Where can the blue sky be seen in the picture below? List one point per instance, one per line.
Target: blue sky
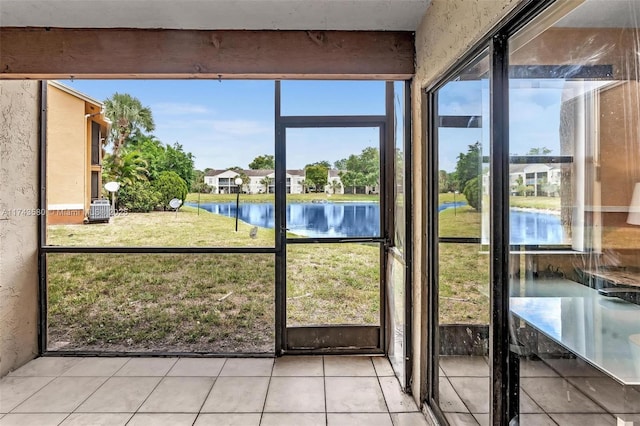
(228, 123)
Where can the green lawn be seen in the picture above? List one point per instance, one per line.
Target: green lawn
(172, 301)
(176, 302)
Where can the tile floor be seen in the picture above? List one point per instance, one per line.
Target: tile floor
(296, 391)
(564, 392)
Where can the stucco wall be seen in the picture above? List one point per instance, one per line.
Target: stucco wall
(448, 29)
(67, 168)
(18, 231)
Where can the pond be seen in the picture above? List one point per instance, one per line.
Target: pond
(363, 220)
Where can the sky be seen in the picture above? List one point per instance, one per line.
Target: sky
(228, 123)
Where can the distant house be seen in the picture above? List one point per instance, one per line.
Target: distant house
(76, 126)
(263, 181)
(543, 178)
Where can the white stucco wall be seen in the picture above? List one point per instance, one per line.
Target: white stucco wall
(447, 30)
(18, 232)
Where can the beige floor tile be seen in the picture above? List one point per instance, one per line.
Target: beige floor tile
(298, 366)
(293, 419)
(464, 366)
(14, 390)
(295, 395)
(248, 367)
(120, 395)
(162, 419)
(555, 395)
(354, 395)
(46, 366)
(237, 395)
(97, 419)
(528, 405)
(583, 419)
(178, 395)
(573, 368)
(408, 419)
(96, 367)
(535, 368)
(474, 392)
(483, 420)
(382, 366)
(348, 366)
(197, 367)
(461, 419)
(61, 395)
(228, 419)
(48, 419)
(397, 401)
(359, 419)
(141, 367)
(538, 420)
(614, 397)
(450, 402)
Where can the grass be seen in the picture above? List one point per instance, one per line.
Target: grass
(186, 228)
(177, 302)
(172, 302)
(538, 203)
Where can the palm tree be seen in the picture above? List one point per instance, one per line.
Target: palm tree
(266, 181)
(130, 167)
(335, 185)
(128, 116)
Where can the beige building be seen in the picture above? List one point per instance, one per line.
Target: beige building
(76, 125)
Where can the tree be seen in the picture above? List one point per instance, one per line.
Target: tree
(445, 181)
(361, 170)
(468, 166)
(340, 164)
(129, 169)
(334, 185)
(317, 174)
(473, 194)
(266, 182)
(179, 161)
(139, 197)
(128, 117)
(169, 185)
(263, 162)
(539, 151)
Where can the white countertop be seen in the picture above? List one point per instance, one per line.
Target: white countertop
(604, 331)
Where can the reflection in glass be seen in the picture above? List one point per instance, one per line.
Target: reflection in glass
(573, 120)
(463, 265)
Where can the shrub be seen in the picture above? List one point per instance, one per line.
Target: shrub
(472, 192)
(139, 196)
(169, 185)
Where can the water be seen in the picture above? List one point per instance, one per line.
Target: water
(363, 220)
(535, 228)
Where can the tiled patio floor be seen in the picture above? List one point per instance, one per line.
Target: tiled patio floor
(565, 392)
(296, 391)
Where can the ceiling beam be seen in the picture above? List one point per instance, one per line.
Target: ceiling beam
(42, 53)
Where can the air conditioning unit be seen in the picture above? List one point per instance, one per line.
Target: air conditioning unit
(100, 211)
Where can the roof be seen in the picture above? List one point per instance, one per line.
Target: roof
(75, 93)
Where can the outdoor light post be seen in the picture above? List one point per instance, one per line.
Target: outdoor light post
(455, 205)
(238, 182)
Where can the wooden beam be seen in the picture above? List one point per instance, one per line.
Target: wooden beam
(42, 53)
